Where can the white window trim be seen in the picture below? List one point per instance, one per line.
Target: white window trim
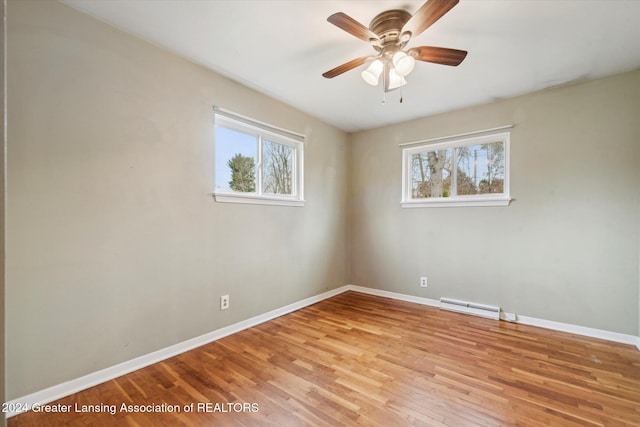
(253, 199)
(455, 201)
(281, 136)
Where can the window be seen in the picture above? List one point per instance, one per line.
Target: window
(462, 172)
(256, 163)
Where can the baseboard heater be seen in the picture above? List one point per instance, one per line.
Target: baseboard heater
(473, 308)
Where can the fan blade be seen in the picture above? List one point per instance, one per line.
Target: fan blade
(345, 67)
(438, 55)
(427, 15)
(352, 26)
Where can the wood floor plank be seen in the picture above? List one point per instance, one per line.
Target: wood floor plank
(362, 360)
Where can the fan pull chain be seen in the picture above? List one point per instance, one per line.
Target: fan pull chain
(384, 82)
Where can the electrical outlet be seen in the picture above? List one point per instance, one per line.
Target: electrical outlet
(423, 282)
(224, 302)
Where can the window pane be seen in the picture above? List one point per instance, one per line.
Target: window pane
(480, 169)
(236, 154)
(277, 172)
(430, 174)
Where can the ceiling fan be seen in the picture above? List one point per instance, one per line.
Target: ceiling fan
(388, 33)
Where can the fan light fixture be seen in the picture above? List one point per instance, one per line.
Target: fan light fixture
(397, 67)
(395, 80)
(372, 74)
(403, 63)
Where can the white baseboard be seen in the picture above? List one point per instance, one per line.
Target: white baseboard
(580, 330)
(65, 389)
(393, 295)
(525, 320)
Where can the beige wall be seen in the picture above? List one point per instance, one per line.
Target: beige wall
(115, 245)
(565, 250)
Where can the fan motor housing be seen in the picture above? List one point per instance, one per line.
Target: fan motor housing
(388, 25)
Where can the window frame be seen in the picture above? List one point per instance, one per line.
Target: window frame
(502, 199)
(262, 131)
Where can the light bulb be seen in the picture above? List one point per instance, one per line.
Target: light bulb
(403, 63)
(372, 74)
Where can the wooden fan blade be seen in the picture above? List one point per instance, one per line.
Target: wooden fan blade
(427, 15)
(345, 67)
(438, 55)
(352, 26)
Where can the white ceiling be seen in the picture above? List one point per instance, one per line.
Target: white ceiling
(281, 48)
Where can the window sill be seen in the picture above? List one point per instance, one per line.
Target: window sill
(253, 199)
(457, 202)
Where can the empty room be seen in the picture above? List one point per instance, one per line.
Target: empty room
(321, 213)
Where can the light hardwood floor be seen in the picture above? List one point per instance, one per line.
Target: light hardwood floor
(357, 359)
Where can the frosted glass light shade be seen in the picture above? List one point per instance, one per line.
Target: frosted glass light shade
(395, 81)
(372, 73)
(403, 63)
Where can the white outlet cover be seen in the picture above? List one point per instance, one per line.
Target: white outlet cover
(224, 302)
